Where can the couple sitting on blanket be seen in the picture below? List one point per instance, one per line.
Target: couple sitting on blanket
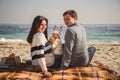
(49, 53)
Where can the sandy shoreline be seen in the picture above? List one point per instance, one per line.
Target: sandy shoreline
(107, 53)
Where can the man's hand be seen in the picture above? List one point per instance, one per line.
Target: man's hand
(63, 68)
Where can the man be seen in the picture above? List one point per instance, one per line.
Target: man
(75, 52)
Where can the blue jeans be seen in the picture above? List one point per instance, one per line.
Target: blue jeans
(91, 51)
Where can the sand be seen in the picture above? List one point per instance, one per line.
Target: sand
(107, 53)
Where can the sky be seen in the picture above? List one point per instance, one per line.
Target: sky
(89, 11)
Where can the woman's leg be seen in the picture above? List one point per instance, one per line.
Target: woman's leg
(91, 51)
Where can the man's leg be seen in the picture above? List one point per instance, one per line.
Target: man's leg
(91, 51)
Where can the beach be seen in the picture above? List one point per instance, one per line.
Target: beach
(106, 53)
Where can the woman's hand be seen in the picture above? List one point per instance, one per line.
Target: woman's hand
(52, 39)
(47, 74)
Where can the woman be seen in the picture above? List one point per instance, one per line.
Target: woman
(37, 38)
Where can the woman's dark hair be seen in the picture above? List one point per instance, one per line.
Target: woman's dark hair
(72, 13)
(35, 25)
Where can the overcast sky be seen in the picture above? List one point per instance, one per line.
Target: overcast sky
(89, 11)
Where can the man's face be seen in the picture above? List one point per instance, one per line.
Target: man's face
(68, 20)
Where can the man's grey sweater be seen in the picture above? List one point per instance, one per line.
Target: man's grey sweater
(75, 51)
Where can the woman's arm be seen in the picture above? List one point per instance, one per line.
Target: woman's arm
(39, 51)
(49, 45)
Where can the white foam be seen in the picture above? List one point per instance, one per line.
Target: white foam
(11, 40)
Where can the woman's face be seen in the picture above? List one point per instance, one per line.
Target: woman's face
(68, 20)
(42, 27)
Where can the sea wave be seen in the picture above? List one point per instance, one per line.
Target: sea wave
(103, 42)
(100, 33)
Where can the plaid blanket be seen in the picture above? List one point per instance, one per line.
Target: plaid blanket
(96, 71)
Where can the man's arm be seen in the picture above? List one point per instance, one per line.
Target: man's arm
(68, 47)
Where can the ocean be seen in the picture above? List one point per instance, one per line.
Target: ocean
(100, 33)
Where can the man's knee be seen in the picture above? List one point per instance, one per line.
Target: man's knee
(91, 49)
